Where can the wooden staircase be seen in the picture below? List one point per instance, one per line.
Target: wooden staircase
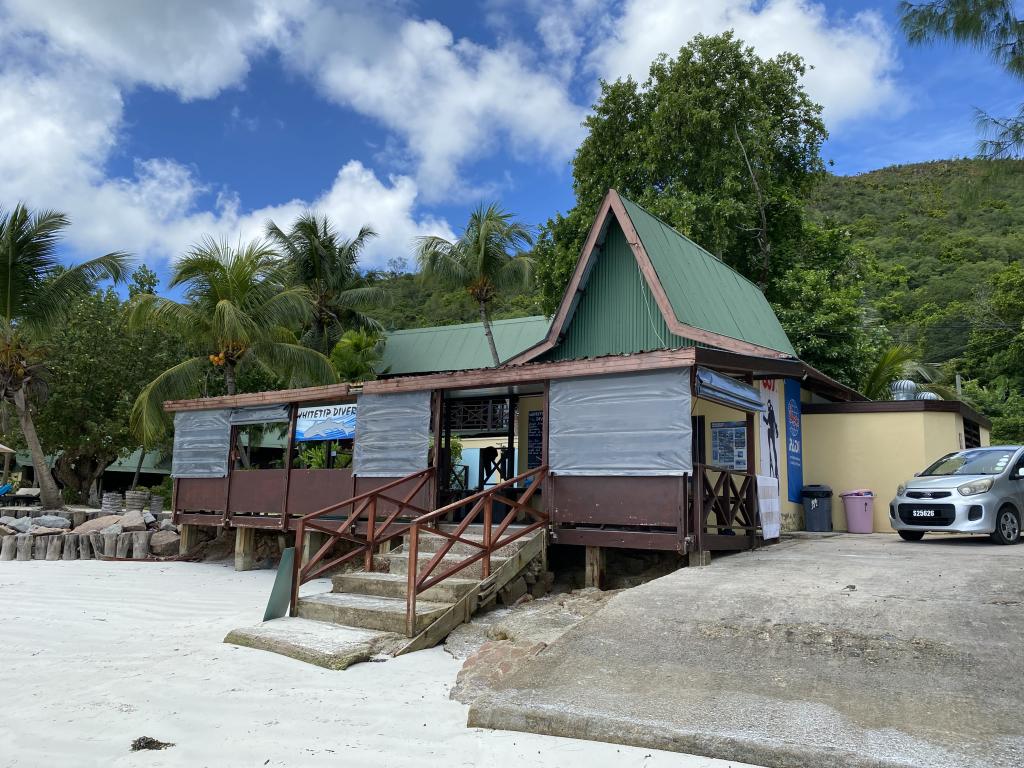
(388, 607)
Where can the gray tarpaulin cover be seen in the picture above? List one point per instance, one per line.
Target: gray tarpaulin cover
(201, 443)
(260, 414)
(392, 434)
(636, 424)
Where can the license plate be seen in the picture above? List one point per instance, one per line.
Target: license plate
(923, 513)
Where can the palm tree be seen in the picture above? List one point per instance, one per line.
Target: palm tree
(239, 310)
(357, 355)
(487, 258)
(35, 289)
(327, 265)
(900, 362)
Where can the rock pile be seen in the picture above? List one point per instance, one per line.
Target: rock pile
(53, 536)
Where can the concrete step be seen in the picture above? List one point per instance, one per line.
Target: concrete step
(317, 642)
(396, 584)
(433, 543)
(386, 614)
(398, 562)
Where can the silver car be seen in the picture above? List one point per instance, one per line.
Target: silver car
(980, 490)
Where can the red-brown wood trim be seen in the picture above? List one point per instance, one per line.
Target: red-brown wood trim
(612, 205)
(562, 315)
(899, 406)
(276, 397)
(536, 372)
(650, 274)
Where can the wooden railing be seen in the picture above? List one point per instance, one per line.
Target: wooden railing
(377, 528)
(481, 508)
(725, 502)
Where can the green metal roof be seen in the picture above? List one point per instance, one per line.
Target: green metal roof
(458, 347)
(705, 292)
(617, 313)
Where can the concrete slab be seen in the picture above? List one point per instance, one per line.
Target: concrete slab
(315, 642)
(838, 652)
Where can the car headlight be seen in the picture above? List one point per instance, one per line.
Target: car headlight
(901, 489)
(978, 486)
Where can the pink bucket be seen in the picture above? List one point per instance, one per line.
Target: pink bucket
(860, 510)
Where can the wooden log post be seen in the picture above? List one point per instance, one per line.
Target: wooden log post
(54, 547)
(189, 538)
(39, 546)
(70, 546)
(78, 517)
(109, 544)
(124, 545)
(96, 544)
(9, 547)
(245, 548)
(24, 546)
(140, 544)
(84, 547)
(595, 562)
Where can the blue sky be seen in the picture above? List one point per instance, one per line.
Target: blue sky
(154, 123)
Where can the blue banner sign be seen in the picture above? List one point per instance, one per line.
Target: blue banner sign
(794, 442)
(326, 422)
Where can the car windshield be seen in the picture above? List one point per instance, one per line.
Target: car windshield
(985, 461)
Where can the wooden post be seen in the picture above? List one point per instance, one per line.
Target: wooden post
(245, 548)
(595, 567)
(289, 450)
(189, 538)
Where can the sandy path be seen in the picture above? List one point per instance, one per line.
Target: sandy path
(96, 654)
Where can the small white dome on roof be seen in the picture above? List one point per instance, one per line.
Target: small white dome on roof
(927, 396)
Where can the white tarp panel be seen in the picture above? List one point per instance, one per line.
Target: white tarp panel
(769, 506)
(392, 434)
(634, 424)
(201, 443)
(260, 414)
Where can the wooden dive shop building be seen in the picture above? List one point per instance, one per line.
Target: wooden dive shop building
(659, 409)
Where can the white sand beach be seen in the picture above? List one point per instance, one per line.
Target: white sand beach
(97, 654)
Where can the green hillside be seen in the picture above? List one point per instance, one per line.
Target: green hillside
(935, 234)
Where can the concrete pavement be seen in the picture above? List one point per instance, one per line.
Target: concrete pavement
(839, 651)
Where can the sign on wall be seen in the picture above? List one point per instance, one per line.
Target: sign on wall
(770, 433)
(326, 422)
(534, 439)
(794, 441)
(729, 444)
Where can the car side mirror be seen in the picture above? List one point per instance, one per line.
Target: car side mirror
(1019, 474)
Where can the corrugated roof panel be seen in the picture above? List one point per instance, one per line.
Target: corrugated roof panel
(458, 347)
(705, 292)
(616, 313)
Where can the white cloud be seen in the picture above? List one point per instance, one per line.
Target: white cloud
(853, 57)
(195, 48)
(450, 100)
(61, 118)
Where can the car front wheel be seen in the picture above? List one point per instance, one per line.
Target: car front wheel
(911, 535)
(1007, 526)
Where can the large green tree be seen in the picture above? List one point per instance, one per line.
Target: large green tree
(35, 293)
(240, 312)
(719, 142)
(327, 265)
(97, 366)
(994, 26)
(485, 261)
